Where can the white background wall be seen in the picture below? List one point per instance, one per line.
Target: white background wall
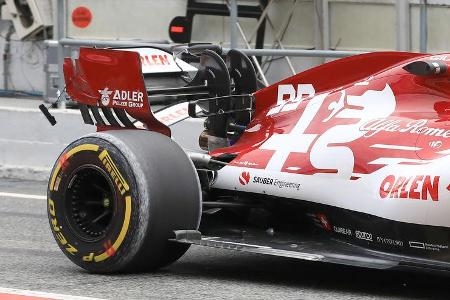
(368, 25)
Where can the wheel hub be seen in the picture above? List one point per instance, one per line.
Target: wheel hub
(90, 203)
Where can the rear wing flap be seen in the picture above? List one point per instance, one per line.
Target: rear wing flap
(110, 83)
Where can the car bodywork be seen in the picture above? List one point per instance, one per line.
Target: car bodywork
(343, 163)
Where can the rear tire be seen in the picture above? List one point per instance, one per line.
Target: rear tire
(115, 198)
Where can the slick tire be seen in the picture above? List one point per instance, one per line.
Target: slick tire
(115, 198)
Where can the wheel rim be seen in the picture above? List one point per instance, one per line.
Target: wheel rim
(90, 203)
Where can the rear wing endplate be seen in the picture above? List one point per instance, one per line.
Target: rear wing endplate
(110, 81)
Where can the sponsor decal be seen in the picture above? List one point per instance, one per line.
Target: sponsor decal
(289, 97)
(324, 223)
(105, 96)
(245, 163)
(276, 182)
(435, 144)
(244, 178)
(362, 235)
(56, 228)
(342, 230)
(116, 176)
(132, 99)
(427, 246)
(326, 149)
(155, 60)
(174, 116)
(410, 187)
(376, 126)
(263, 180)
(388, 241)
(158, 61)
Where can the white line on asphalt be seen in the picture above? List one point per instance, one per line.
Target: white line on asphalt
(26, 142)
(25, 109)
(24, 196)
(42, 294)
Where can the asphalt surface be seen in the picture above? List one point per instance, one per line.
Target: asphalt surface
(31, 260)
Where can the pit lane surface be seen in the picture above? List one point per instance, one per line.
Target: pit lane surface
(31, 260)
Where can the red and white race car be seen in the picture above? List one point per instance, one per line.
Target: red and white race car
(343, 163)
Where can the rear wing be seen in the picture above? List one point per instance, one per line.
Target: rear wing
(110, 81)
(113, 88)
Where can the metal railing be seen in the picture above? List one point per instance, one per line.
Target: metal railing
(62, 40)
(255, 52)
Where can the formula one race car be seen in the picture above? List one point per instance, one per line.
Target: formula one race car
(343, 163)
